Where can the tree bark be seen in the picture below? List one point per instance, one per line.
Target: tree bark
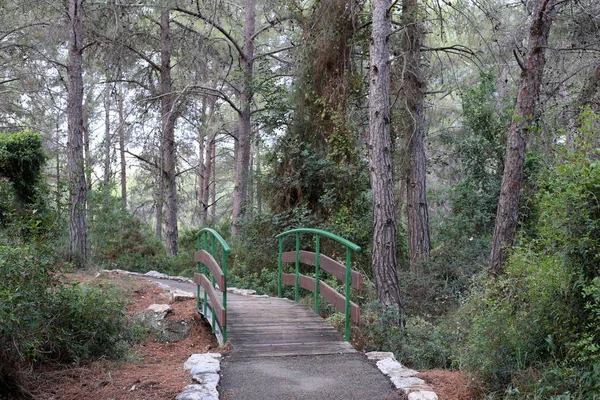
(384, 204)
(168, 136)
(522, 125)
(121, 132)
(75, 160)
(258, 181)
(107, 141)
(201, 164)
(89, 163)
(242, 161)
(413, 126)
(213, 179)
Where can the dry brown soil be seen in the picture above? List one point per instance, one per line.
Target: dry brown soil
(154, 371)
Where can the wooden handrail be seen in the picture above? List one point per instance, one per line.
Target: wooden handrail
(335, 268)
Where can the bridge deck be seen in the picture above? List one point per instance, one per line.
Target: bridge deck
(272, 327)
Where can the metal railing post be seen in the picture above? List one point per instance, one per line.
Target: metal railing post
(224, 289)
(296, 286)
(317, 265)
(280, 267)
(347, 293)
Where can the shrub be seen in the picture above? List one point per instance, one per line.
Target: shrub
(536, 329)
(419, 344)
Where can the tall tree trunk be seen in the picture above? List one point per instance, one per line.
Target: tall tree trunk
(107, 141)
(213, 178)
(202, 145)
(159, 200)
(258, 181)
(413, 125)
(168, 136)
(250, 201)
(75, 161)
(522, 125)
(204, 158)
(89, 163)
(242, 161)
(380, 146)
(208, 172)
(121, 132)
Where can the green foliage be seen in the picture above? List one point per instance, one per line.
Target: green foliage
(543, 314)
(21, 162)
(419, 344)
(90, 323)
(45, 320)
(119, 239)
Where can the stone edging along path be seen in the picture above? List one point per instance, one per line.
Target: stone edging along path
(204, 368)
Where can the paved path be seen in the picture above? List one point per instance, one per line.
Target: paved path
(323, 377)
(283, 350)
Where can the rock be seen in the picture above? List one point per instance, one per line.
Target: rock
(241, 292)
(407, 383)
(160, 309)
(180, 295)
(196, 359)
(389, 365)
(403, 378)
(164, 330)
(199, 364)
(156, 274)
(206, 383)
(380, 355)
(422, 395)
(197, 392)
(207, 379)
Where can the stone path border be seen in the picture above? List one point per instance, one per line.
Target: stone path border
(403, 378)
(204, 369)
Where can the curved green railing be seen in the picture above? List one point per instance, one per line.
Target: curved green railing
(208, 266)
(318, 233)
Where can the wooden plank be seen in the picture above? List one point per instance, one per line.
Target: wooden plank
(335, 268)
(207, 259)
(329, 293)
(293, 349)
(215, 302)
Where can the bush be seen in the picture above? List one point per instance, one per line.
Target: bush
(419, 344)
(117, 238)
(536, 329)
(44, 319)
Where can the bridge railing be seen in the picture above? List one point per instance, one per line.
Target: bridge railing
(343, 272)
(212, 278)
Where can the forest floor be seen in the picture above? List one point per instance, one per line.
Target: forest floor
(153, 370)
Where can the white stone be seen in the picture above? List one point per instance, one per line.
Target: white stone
(379, 355)
(160, 308)
(406, 383)
(422, 395)
(389, 365)
(242, 292)
(180, 295)
(206, 368)
(207, 379)
(201, 390)
(195, 359)
(156, 274)
(197, 392)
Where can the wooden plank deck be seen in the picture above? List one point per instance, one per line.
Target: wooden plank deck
(274, 327)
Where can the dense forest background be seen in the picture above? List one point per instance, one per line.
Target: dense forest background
(469, 176)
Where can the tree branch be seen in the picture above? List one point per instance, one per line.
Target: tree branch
(215, 25)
